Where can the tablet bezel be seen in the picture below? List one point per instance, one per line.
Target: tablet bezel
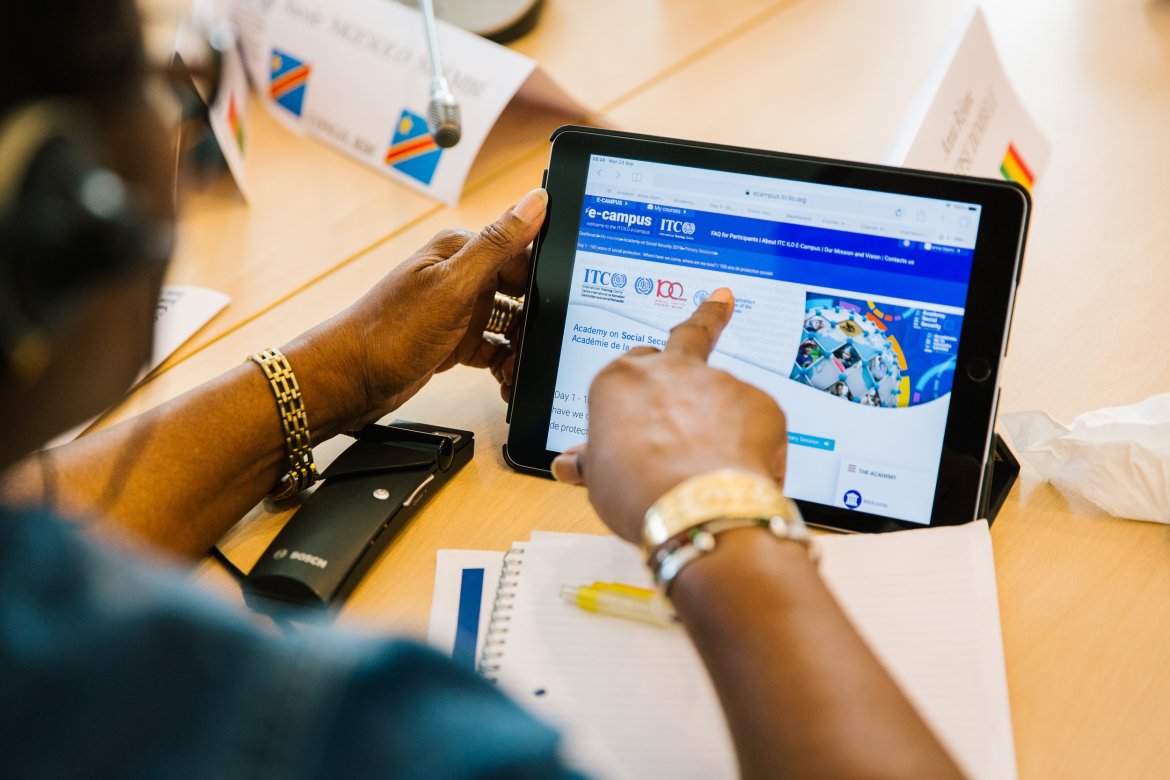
(960, 492)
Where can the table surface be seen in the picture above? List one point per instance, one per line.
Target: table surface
(1083, 596)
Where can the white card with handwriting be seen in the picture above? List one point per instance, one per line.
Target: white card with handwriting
(968, 119)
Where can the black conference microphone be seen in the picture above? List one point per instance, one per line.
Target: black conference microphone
(443, 110)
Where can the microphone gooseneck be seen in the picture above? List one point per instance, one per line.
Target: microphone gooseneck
(443, 117)
(443, 110)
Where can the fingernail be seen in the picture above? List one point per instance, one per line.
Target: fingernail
(722, 295)
(564, 468)
(532, 206)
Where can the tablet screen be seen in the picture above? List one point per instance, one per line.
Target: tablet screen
(849, 309)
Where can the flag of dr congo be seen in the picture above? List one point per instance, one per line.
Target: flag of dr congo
(412, 149)
(287, 80)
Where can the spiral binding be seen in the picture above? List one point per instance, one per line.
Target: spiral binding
(495, 637)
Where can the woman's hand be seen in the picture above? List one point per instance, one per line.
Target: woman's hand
(426, 315)
(657, 418)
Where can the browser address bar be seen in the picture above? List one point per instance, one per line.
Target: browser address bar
(772, 196)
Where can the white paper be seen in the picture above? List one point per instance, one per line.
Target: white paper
(356, 75)
(968, 120)
(182, 310)
(1118, 458)
(632, 700)
(924, 600)
(449, 567)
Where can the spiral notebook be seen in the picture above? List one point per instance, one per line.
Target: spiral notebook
(634, 701)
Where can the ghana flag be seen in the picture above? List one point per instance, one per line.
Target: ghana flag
(412, 149)
(288, 78)
(1015, 169)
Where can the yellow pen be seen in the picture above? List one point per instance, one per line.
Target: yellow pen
(624, 601)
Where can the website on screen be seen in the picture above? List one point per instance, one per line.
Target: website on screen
(849, 306)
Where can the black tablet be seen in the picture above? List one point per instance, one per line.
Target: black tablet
(872, 303)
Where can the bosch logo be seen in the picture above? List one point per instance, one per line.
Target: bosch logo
(620, 217)
(700, 296)
(312, 560)
(676, 226)
(643, 285)
(671, 290)
(280, 554)
(605, 278)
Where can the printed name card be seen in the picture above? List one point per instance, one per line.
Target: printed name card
(356, 75)
(968, 119)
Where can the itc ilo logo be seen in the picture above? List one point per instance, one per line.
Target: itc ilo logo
(605, 278)
(659, 288)
(676, 226)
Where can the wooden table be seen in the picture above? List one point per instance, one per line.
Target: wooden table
(1085, 598)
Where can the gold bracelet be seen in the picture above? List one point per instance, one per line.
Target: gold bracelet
(682, 524)
(302, 471)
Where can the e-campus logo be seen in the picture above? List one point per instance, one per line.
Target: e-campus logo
(620, 217)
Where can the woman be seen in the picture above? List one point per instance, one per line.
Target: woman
(112, 667)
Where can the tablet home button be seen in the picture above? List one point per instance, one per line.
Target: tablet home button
(979, 370)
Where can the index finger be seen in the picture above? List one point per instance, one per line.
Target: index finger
(696, 336)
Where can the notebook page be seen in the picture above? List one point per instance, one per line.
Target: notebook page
(925, 601)
(632, 700)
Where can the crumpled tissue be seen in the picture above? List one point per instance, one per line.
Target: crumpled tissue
(1117, 458)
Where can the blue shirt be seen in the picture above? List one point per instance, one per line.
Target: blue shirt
(112, 668)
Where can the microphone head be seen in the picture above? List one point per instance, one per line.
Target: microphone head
(443, 122)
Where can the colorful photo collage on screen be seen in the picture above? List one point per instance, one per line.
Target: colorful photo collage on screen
(875, 354)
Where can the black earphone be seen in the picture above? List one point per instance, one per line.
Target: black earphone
(66, 221)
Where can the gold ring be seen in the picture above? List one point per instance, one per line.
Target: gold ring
(505, 315)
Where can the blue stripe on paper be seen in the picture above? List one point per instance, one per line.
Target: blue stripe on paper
(467, 621)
